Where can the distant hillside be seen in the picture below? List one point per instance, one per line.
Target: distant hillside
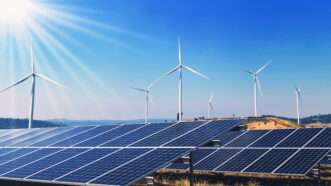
(323, 118)
(103, 122)
(9, 123)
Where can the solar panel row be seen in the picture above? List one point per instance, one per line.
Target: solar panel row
(118, 154)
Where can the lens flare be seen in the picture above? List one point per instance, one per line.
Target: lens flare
(15, 11)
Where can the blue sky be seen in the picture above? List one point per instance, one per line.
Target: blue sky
(102, 48)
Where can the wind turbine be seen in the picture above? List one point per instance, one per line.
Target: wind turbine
(298, 102)
(147, 97)
(210, 104)
(257, 84)
(33, 76)
(180, 67)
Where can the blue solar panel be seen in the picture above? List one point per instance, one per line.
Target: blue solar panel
(13, 134)
(241, 160)
(226, 137)
(168, 134)
(83, 136)
(15, 154)
(133, 171)
(197, 155)
(53, 139)
(100, 167)
(303, 161)
(39, 137)
(270, 161)
(110, 135)
(322, 140)
(215, 159)
(44, 163)
(205, 133)
(246, 139)
(138, 134)
(4, 151)
(299, 137)
(73, 164)
(22, 137)
(272, 138)
(24, 160)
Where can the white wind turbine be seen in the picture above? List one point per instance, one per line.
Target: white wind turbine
(147, 92)
(180, 67)
(210, 104)
(33, 76)
(298, 102)
(257, 84)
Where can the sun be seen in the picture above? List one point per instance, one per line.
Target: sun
(15, 11)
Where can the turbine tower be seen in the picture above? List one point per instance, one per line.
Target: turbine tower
(210, 104)
(257, 85)
(180, 67)
(33, 76)
(298, 102)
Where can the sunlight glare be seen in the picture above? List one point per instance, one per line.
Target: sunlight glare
(14, 11)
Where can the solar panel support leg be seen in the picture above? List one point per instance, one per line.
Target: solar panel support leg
(191, 169)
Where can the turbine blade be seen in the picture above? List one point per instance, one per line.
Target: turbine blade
(32, 59)
(179, 52)
(195, 72)
(211, 106)
(211, 97)
(16, 83)
(49, 80)
(259, 85)
(249, 72)
(263, 67)
(139, 89)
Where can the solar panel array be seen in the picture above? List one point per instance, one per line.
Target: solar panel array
(281, 152)
(111, 155)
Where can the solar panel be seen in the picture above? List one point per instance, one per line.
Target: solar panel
(197, 155)
(110, 135)
(44, 163)
(138, 134)
(83, 136)
(272, 138)
(24, 160)
(215, 159)
(205, 133)
(299, 137)
(54, 139)
(135, 170)
(25, 137)
(241, 160)
(226, 137)
(15, 154)
(73, 163)
(247, 138)
(322, 140)
(38, 138)
(302, 162)
(270, 161)
(168, 134)
(101, 166)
